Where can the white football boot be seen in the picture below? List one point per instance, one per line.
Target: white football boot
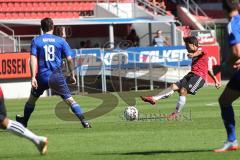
(42, 145)
(228, 146)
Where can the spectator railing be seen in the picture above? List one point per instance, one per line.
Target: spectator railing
(194, 8)
(7, 42)
(151, 6)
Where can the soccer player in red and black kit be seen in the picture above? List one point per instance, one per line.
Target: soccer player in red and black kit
(18, 129)
(191, 82)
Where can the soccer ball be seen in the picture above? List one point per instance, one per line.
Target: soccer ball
(131, 113)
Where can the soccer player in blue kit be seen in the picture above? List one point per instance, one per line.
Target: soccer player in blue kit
(232, 90)
(46, 52)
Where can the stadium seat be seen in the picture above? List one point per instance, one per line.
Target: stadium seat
(4, 7)
(11, 6)
(2, 15)
(21, 15)
(33, 14)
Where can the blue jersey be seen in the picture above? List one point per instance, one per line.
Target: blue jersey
(234, 38)
(49, 50)
(234, 30)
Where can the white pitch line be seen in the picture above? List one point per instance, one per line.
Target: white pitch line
(216, 104)
(212, 104)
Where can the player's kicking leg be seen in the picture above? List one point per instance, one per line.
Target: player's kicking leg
(225, 101)
(18, 129)
(76, 109)
(162, 95)
(167, 93)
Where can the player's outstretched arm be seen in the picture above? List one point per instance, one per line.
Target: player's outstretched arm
(195, 54)
(217, 83)
(71, 68)
(33, 68)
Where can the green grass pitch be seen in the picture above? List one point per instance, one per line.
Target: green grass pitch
(114, 138)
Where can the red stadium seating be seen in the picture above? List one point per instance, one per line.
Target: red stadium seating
(30, 9)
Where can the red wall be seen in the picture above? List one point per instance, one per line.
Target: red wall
(213, 60)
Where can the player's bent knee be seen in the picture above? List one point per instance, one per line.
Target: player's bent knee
(183, 92)
(70, 100)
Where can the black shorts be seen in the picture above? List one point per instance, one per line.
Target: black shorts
(3, 112)
(234, 82)
(191, 82)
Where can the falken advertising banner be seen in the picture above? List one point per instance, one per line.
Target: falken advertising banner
(169, 56)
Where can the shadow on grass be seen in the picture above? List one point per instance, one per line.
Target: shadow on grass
(158, 152)
(164, 152)
(20, 156)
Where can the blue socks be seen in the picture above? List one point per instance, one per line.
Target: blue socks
(28, 109)
(76, 109)
(229, 122)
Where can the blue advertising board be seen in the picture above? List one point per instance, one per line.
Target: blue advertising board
(167, 56)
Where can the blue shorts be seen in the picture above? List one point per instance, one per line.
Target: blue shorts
(234, 82)
(54, 80)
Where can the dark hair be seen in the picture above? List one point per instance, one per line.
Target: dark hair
(230, 5)
(133, 31)
(47, 24)
(191, 40)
